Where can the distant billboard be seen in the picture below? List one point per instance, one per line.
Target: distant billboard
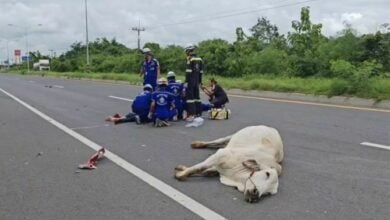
(18, 53)
(25, 58)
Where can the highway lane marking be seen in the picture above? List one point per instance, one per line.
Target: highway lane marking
(375, 145)
(88, 127)
(57, 86)
(312, 103)
(120, 98)
(164, 188)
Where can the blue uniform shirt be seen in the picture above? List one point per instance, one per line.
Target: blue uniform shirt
(177, 90)
(141, 104)
(150, 72)
(163, 102)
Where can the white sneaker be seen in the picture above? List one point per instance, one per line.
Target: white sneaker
(137, 120)
(164, 124)
(157, 123)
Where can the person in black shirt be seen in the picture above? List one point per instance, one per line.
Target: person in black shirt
(193, 80)
(218, 96)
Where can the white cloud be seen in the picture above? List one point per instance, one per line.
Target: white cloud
(351, 17)
(63, 21)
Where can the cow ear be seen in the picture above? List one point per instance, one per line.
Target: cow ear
(251, 165)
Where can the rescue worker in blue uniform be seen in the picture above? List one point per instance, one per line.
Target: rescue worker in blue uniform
(193, 81)
(163, 105)
(140, 109)
(150, 69)
(177, 89)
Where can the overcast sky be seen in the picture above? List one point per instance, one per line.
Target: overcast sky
(63, 21)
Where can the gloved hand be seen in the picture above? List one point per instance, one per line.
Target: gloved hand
(150, 115)
(185, 85)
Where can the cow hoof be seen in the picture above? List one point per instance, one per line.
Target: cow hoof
(180, 167)
(180, 175)
(198, 144)
(180, 172)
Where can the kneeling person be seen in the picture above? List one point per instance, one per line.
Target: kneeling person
(163, 105)
(218, 96)
(140, 108)
(177, 90)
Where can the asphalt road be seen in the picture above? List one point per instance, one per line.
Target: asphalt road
(327, 173)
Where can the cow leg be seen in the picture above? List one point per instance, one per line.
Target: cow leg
(182, 172)
(210, 172)
(217, 143)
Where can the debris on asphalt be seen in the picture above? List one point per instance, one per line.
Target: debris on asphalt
(143, 145)
(93, 160)
(39, 154)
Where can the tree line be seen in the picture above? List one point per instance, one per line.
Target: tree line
(302, 52)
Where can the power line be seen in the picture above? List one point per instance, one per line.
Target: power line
(221, 13)
(232, 14)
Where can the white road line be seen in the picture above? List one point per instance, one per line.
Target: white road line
(88, 127)
(57, 86)
(311, 103)
(120, 98)
(164, 188)
(375, 145)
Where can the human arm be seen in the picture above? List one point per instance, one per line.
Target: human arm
(142, 70)
(158, 70)
(151, 110)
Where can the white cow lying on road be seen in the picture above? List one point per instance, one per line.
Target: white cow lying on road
(251, 161)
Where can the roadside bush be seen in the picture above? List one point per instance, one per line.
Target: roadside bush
(268, 61)
(342, 68)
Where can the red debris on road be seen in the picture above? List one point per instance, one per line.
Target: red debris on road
(92, 162)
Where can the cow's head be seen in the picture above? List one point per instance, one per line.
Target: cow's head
(259, 181)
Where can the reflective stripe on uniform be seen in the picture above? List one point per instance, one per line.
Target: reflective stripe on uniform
(189, 70)
(190, 101)
(196, 59)
(197, 100)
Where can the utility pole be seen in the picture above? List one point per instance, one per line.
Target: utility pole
(138, 29)
(51, 58)
(86, 32)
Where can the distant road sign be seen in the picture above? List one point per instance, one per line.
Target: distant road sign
(17, 53)
(24, 58)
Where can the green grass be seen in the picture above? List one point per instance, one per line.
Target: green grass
(377, 88)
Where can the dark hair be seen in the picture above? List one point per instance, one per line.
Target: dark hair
(213, 81)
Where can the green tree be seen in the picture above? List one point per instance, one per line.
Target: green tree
(264, 31)
(214, 53)
(305, 41)
(377, 48)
